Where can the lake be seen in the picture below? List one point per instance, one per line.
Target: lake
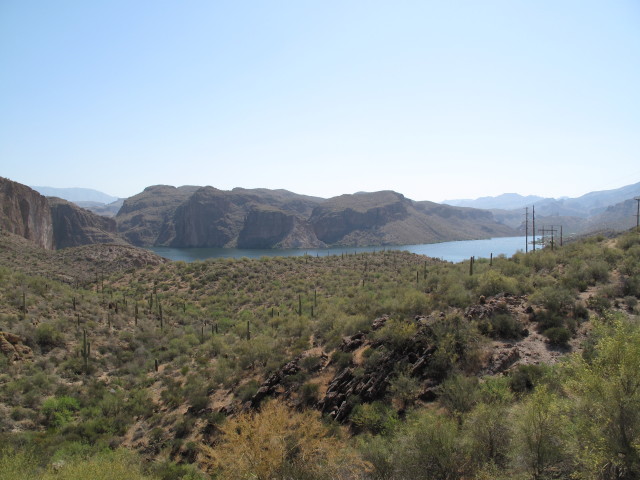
(450, 251)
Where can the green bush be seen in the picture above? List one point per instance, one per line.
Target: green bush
(557, 335)
(493, 283)
(47, 336)
(376, 417)
(526, 377)
(502, 325)
(58, 411)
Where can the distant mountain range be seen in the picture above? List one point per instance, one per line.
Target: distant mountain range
(506, 201)
(76, 194)
(601, 210)
(195, 216)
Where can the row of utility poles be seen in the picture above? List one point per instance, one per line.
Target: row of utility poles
(544, 231)
(552, 231)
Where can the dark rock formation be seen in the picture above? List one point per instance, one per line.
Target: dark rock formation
(207, 219)
(74, 226)
(267, 228)
(25, 212)
(338, 217)
(143, 217)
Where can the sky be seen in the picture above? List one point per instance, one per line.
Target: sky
(433, 99)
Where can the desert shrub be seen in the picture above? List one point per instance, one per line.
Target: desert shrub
(58, 411)
(458, 393)
(431, 449)
(557, 335)
(487, 431)
(47, 336)
(280, 443)
(341, 359)
(396, 333)
(540, 435)
(404, 388)
(108, 465)
(548, 319)
(580, 311)
(526, 377)
(502, 325)
(311, 363)
(628, 240)
(457, 346)
(554, 298)
(631, 302)
(631, 286)
(247, 390)
(493, 283)
(599, 303)
(16, 464)
(376, 417)
(309, 393)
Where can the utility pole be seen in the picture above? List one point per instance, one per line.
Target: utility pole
(526, 229)
(534, 228)
(637, 199)
(560, 235)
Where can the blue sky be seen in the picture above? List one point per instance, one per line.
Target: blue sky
(434, 99)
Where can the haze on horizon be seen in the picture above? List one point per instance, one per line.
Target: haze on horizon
(434, 100)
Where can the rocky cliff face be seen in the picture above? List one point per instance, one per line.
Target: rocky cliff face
(207, 219)
(147, 218)
(339, 218)
(276, 229)
(25, 212)
(74, 226)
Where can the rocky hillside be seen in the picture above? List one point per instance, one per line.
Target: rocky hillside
(260, 218)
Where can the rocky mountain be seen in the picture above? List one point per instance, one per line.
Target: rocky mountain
(51, 223)
(261, 218)
(388, 218)
(25, 212)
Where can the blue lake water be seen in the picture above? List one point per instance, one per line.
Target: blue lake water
(450, 251)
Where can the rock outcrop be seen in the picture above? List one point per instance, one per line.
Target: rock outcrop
(207, 219)
(144, 217)
(25, 212)
(266, 228)
(13, 347)
(74, 226)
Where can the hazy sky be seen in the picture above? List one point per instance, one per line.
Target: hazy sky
(434, 99)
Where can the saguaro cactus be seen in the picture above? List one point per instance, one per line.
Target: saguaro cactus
(86, 350)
